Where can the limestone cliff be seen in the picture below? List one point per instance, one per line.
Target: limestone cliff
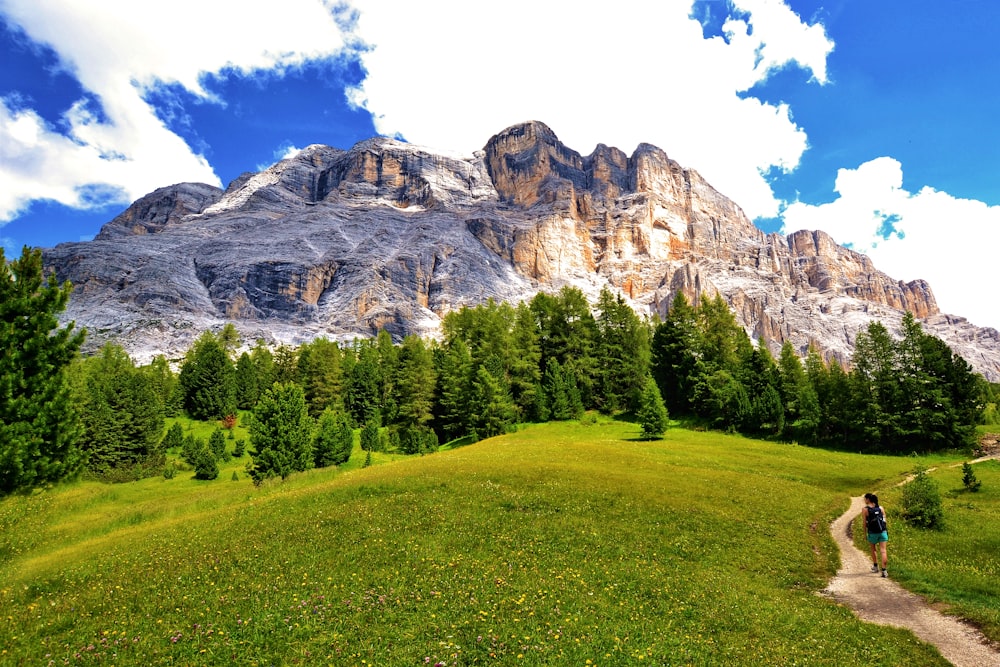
(391, 235)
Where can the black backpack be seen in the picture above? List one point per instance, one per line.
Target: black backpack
(876, 520)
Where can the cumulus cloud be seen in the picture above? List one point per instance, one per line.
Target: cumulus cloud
(119, 50)
(928, 234)
(620, 74)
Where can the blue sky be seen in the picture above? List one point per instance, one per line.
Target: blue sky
(873, 121)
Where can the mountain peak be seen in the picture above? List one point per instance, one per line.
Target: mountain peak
(389, 235)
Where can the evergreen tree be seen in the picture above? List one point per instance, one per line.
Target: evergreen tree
(217, 445)
(280, 433)
(246, 382)
(525, 365)
(568, 334)
(334, 439)
(623, 346)
(207, 379)
(876, 386)
(174, 439)
(205, 464)
(452, 413)
(494, 409)
(415, 383)
(363, 393)
(39, 428)
(320, 373)
(675, 351)
(969, 480)
(285, 366)
(191, 449)
(121, 412)
(263, 362)
(792, 385)
(652, 413)
(371, 439)
(166, 385)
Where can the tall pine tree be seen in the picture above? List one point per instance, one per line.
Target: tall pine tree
(39, 428)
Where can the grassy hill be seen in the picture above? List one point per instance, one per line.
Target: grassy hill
(564, 543)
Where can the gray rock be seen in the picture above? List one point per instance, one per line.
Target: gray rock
(392, 236)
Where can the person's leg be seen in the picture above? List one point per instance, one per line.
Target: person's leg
(885, 556)
(874, 556)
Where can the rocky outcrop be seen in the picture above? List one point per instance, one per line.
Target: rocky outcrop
(392, 236)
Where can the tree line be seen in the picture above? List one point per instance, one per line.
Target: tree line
(494, 366)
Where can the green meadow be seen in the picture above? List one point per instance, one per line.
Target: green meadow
(564, 543)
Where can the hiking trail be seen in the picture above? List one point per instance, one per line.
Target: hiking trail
(885, 602)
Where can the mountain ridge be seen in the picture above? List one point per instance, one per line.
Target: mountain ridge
(391, 235)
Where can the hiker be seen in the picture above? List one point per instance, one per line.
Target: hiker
(877, 530)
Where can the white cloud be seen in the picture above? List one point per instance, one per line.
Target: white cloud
(928, 234)
(118, 49)
(450, 73)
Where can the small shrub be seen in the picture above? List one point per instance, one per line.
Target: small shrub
(921, 502)
(169, 471)
(969, 478)
(239, 448)
(235, 477)
(368, 459)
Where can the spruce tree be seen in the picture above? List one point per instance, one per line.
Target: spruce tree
(334, 439)
(39, 429)
(652, 413)
(207, 379)
(217, 444)
(280, 433)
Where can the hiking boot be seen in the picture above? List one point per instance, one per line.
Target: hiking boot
(875, 568)
(885, 573)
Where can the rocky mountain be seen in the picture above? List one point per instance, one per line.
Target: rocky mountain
(388, 235)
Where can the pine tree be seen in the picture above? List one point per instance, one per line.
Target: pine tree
(652, 413)
(174, 439)
(280, 433)
(207, 380)
(371, 440)
(623, 346)
(39, 429)
(121, 412)
(217, 444)
(675, 351)
(205, 463)
(334, 439)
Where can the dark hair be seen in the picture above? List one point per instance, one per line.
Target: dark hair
(872, 498)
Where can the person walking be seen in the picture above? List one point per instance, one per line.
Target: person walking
(878, 531)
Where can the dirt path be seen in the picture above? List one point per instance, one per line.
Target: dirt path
(885, 602)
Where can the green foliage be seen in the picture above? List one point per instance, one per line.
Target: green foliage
(969, 480)
(652, 413)
(675, 352)
(169, 470)
(246, 382)
(207, 380)
(623, 346)
(334, 439)
(191, 449)
(280, 433)
(321, 375)
(174, 439)
(239, 448)
(39, 429)
(496, 413)
(921, 502)
(217, 443)
(121, 412)
(371, 440)
(206, 464)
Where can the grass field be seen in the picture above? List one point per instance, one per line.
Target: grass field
(563, 543)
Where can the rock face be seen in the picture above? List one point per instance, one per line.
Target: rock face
(392, 236)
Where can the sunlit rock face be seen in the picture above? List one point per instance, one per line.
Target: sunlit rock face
(388, 235)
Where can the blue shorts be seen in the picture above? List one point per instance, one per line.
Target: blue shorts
(875, 538)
